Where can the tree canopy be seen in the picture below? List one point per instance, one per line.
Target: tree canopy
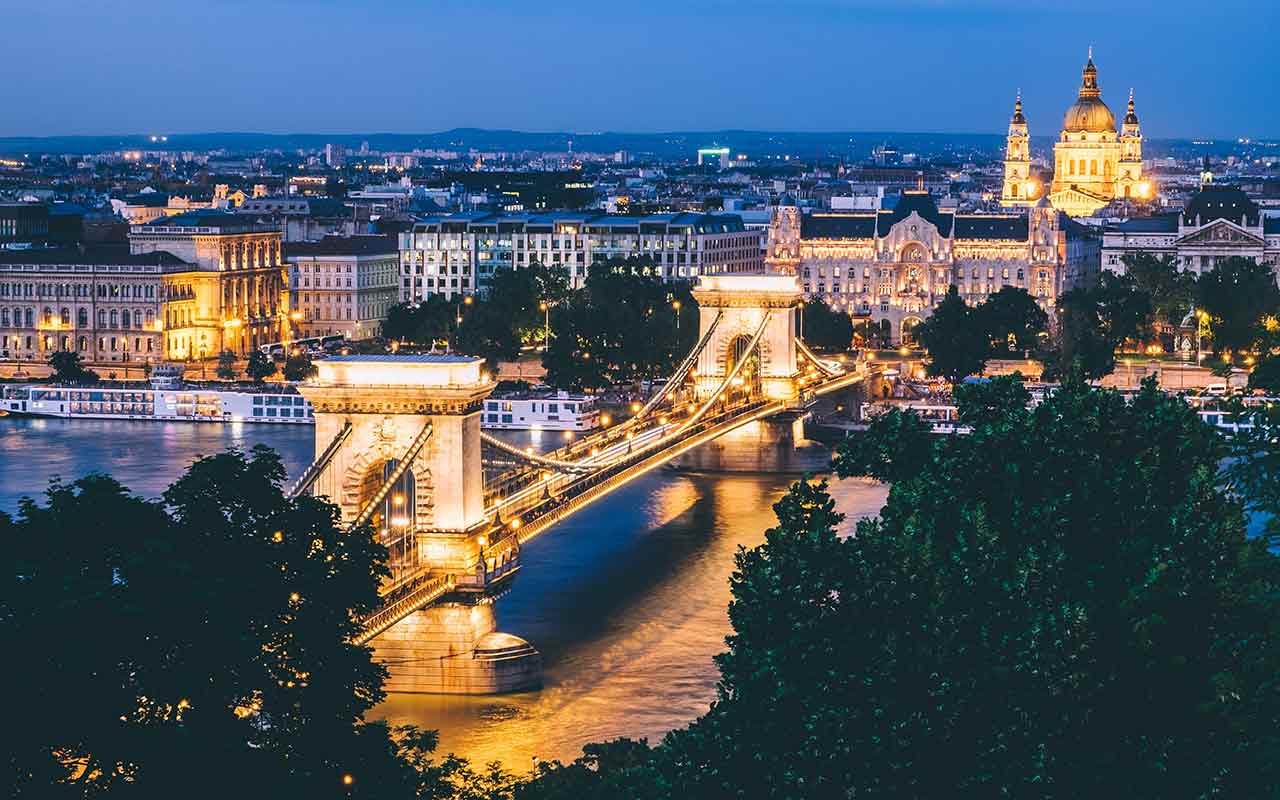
(260, 366)
(623, 325)
(1239, 294)
(1013, 322)
(201, 645)
(298, 366)
(226, 365)
(956, 339)
(68, 367)
(825, 328)
(1061, 604)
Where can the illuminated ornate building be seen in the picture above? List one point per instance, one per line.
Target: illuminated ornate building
(893, 267)
(1020, 187)
(230, 292)
(101, 302)
(1094, 163)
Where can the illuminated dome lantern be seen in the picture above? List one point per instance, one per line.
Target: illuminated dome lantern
(1088, 114)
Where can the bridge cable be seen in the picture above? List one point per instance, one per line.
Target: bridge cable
(313, 472)
(677, 377)
(541, 461)
(812, 357)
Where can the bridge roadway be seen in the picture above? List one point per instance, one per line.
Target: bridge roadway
(619, 455)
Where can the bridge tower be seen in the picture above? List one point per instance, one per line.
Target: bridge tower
(740, 307)
(398, 447)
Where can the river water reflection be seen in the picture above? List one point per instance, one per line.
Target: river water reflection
(626, 600)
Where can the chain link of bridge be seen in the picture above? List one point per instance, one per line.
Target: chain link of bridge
(400, 450)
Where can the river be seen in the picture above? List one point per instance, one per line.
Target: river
(626, 600)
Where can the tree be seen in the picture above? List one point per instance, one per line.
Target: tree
(226, 365)
(298, 366)
(1239, 294)
(1013, 321)
(1171, 291)
(1266, 375)
(260, 367)
(68, 367)
(826, 328)
(622, 325)
(217, 630)
(1093, 322)
(1063, 603)
(423, 323)
(955, 339)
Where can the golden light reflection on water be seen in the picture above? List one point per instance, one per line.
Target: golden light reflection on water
(623, 657)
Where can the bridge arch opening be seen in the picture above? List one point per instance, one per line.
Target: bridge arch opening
(748, 380)
(395, 520)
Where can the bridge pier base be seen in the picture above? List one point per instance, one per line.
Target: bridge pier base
(454, 648)
(776, 444)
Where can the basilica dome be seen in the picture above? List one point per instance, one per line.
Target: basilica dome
(1089, 114)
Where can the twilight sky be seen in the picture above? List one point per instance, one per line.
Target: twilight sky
(1203, 69)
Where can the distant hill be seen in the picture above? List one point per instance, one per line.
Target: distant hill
(756, 144)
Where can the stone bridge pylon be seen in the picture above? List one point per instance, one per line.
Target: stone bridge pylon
(742, 308)
(398, 447)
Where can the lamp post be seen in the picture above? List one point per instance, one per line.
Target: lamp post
(676, 305)
(545, 307)
(800, 332)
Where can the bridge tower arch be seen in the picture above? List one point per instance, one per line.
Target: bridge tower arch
(398, 447)
(738, 306)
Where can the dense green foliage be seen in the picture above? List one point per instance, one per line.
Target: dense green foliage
(1238, 294)
(495, 326)
(1061, 604)
(622, 325)
(260, 366)
(1093, 322)
(1171, 291)
(200, 646)
(68, 367)
(298, 366)
(226, 365)
(1013, 322)
(825, 328)
(953, 335)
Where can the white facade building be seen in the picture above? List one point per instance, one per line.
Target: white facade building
(1217, 223)
(458, 254)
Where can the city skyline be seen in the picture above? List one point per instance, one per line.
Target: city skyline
(402, 67)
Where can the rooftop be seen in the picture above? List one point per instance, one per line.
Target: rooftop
(343, 246)
(206, 218)
(101, 254)
(409, 372)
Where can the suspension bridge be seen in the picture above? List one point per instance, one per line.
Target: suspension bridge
(400, 450)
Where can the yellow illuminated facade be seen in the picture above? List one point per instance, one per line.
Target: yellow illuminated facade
(1020, 187)
(1094, 163)
(230, 292)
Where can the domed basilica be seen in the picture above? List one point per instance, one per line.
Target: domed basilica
(1094, 161)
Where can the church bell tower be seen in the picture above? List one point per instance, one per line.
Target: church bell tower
(1020, 189)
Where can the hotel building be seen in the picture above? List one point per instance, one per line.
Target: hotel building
(459, 253)
(893, 267)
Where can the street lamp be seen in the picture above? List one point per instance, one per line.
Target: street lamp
(545, 308)
(800, 333)
(676, 305)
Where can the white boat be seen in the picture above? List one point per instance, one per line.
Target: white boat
(181, 402)
(546, 411)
